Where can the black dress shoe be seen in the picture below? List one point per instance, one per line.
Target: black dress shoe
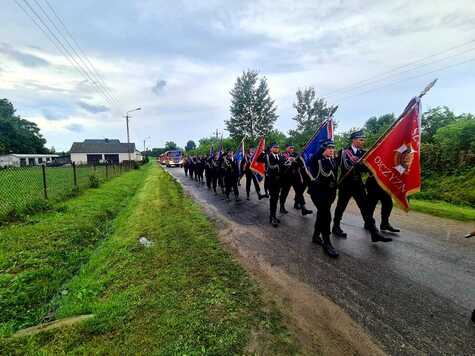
(337, 231)
(237, 199)
(297, 206)
(388, 227)
(283, 210)
(316, 239)
(266, 195)
(306, 211)
(328, 247)
(274, 222)
(259, 196)
(377, 237)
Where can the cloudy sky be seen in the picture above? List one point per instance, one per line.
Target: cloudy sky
(179, 59)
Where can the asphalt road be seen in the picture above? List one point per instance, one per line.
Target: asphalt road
(413, 295)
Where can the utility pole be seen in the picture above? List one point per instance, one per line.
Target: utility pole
(127, 116)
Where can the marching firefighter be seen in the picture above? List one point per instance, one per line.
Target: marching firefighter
(292, 177)
(250, 176)
(274, 162)
(231, 175)
(375, 194)
(351, 186)
(322, 190)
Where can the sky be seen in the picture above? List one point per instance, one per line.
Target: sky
(178, 60)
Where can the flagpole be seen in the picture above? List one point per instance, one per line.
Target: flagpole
(321, 125)
(408, 107)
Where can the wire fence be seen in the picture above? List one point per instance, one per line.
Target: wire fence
(26, 189)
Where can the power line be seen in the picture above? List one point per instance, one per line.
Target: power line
(408, 78)
(44, 28)
(397, 70)
(74, 54)
(87, 60)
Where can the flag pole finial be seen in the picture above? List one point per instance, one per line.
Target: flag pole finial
(427, 88)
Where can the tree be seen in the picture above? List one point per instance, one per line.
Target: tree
(311, 113)
(253, 112)
(190, 145)
(375, 127)
(18, 135)
(433, 120)
(170, 145)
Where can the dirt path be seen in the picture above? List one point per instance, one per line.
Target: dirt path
(412, 296)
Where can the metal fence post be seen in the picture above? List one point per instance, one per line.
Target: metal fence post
(45, 189)
(75, 177)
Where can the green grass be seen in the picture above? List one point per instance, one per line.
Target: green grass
(38, 257)
(444, 209)
(184, 295)
(22, 190)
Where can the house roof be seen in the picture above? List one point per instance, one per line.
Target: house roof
(102, 146)
(30, 155)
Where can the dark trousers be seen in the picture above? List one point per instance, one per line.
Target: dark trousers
(274, 185)
(299, 188)
(251, 178)
(191, 170)
(375, 194)
(356, 191)
(208, 177)
(220, 179)
(323, 199)
(186, 170)
(214, 180)
(231, 184)
(266, 184)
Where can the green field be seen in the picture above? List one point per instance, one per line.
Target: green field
(22, 189)
(184, 295)
(38, 257)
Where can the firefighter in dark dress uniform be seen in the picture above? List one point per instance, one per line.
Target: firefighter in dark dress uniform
(250, 176)
(208, 172)
(322, 190)
(274, 162)
(215, 171)
(375, 194)
(351, 186)
(185, 166)
(231, 175)
(292, 177)
(191, 166)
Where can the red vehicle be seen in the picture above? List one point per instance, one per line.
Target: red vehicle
(172, 158)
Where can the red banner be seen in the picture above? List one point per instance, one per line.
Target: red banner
(259, 167)
(395, 159)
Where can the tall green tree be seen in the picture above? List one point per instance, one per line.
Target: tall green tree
(190, 145)
(253, 112)
(18, 135)
(170, 145)
(311, 112)
(376, 126)
(434, 119)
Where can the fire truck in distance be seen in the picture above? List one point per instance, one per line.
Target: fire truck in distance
(172, 158)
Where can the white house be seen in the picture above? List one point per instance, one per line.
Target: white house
(106, 150)
(22, 160)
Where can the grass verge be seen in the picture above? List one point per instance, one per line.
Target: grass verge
(183, 295)
(38, 257)
(443, 209)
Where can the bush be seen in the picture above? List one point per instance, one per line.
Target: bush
(94, 181)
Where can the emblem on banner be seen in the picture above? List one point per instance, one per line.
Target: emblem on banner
(403, 158)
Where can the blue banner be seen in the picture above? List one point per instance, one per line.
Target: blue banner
(312, 147)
